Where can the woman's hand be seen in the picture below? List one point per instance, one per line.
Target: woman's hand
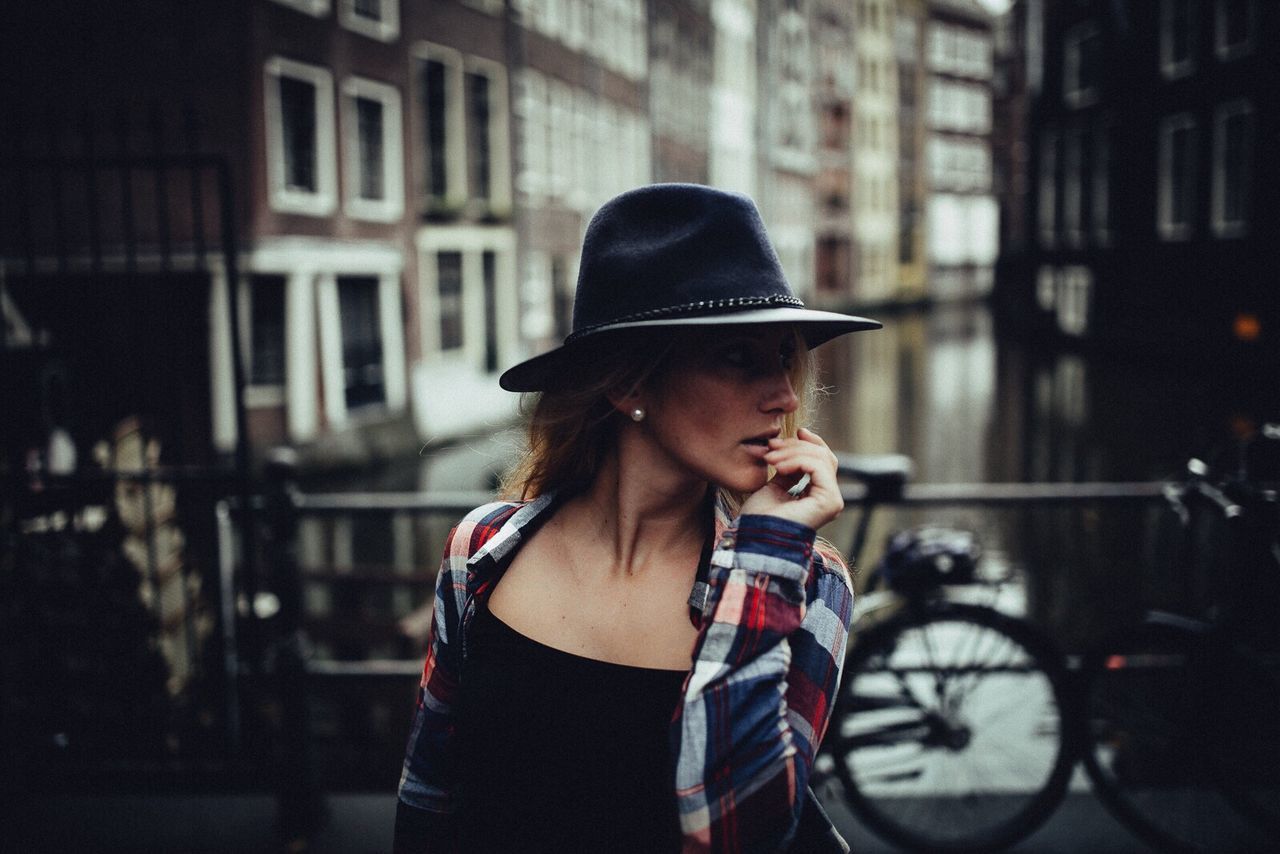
(792, 459)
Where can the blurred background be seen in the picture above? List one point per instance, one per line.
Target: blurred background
(261, 262)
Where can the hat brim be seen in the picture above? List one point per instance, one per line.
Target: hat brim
(817, 327)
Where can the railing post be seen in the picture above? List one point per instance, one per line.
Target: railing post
(299, 802)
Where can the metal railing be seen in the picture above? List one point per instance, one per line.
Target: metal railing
(273, 653)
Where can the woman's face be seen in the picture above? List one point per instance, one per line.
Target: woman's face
(723, 397)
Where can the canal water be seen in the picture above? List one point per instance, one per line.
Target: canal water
(938, 386)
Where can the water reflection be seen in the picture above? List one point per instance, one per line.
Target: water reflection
(939, 387)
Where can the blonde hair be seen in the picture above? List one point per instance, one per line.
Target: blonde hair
(572, 428)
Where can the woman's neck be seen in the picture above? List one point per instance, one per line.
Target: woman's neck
(640, 511)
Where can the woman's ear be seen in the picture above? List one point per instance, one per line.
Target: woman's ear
(628, 402)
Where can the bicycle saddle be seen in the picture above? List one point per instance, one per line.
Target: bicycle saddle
(883, 474)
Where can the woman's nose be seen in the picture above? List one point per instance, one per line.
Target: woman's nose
(780, 395)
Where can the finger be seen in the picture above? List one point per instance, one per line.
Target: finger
(807, 435)
(813, 455)
(797, 461)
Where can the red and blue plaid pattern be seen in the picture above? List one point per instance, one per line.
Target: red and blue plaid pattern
(756, 702)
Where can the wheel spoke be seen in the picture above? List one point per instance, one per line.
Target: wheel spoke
(946, 744)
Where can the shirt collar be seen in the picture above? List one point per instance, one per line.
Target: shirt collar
(532, 514)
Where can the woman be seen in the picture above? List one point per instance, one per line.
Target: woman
(640, 653)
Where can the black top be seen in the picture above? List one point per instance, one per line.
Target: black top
(562, 753)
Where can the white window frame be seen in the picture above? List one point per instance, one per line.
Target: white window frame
(499, 201)
(1222, 48)
(1169, 67)
(1073, 93)
(314, 8)
(471, 242)
(1230, 109)
(1167, 229)
(391, 206)
(385, 29)
(531, 106)
(283, 198)
(455, 143)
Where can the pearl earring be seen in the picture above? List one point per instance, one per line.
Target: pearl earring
(637, 414)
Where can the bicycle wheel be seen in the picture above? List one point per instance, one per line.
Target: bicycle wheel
(1159, 745)
(950, 731)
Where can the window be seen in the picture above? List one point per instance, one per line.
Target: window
(1073, 184)
(298, 123)
(611, 32)
(963, 107)
(362, 378)
(532, 107)
(561, 296)
(468, 276)
(1047, 213)
(954, 50)
(599, 150)
(908, 217)
(479, 151)
(440, 87)
(300, 138)
(266, 330)
(1100, 197)
(449, 287)
(371, 140)
(315, 8)
(1176, 187)
(835, 264)
(1177, 38)
(1232, 167)
(1234, 28)
(560, 139)
(958, 164)
(464, 110)
(1081, 61)
(489, 281)
(377, 19)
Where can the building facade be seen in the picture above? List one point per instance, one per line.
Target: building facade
(961, 213)
(409, 183)
(1148, 195)
(875, 152)
(834, 87)
(913, 264)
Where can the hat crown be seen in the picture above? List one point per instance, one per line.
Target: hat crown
(672, 250)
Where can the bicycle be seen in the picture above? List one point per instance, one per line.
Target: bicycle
(1183, 711)
(952, 729)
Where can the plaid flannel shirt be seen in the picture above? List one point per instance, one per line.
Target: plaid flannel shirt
(773, 615)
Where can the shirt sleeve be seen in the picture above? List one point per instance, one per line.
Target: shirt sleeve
(424, 813)
(756, 704)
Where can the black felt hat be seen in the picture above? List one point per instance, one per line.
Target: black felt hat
(676, 255)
